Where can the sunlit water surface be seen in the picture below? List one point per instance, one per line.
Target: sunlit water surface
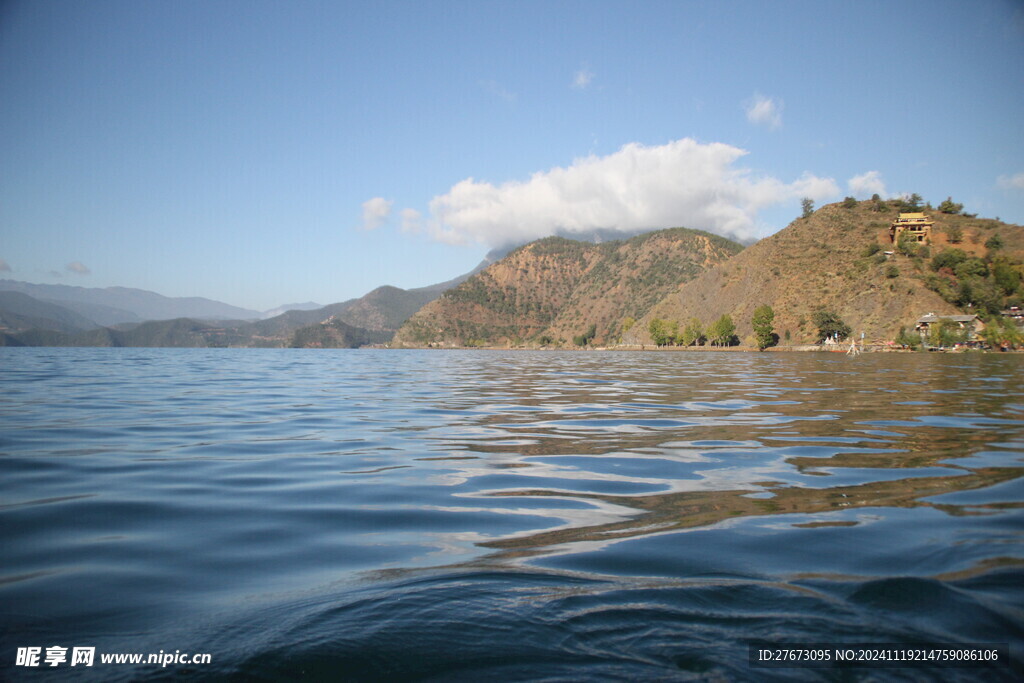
(407, 515)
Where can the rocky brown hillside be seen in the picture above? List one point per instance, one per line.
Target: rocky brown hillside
(836, 259)
(555, 289)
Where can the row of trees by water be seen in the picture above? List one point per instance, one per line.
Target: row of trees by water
(720, 333)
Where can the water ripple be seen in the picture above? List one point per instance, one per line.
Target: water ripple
(524, 515)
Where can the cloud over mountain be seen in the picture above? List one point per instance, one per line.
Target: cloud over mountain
(681, 183)
(866, 184)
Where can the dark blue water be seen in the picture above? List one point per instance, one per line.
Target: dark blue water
(407, 515)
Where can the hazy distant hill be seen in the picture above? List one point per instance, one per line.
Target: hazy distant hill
(377, 314)
(20, 312)
(336, 334)
(100, 314)
(274, 312)
(386, 308)
(113, 305)
(835, 259)
(555, 288)
(181, 332)
(370, 319)
(380, 311)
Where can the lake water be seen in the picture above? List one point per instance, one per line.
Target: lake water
(433, 515)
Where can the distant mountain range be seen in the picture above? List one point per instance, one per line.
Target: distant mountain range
(563, 292)
(20, 312)
(59, 315)
(115, 305)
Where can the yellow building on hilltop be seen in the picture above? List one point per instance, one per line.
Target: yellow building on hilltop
(918, 227)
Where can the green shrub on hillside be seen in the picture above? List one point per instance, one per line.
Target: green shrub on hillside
(911, 204)
(830, 325)
(907, 245)
(949, 206)
(1006, 276)
(979, 293)
(807, 205)
(948, 258)
(972, 267)
(586, 337)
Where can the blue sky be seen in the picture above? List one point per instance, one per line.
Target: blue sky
(263, 153)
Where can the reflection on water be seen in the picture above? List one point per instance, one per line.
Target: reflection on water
(529, 515)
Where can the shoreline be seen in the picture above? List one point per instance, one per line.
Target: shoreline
(796, 348)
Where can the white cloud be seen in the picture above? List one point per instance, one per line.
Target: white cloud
(78, 268)
(866, 184)
(498, 90)
(764, 111)
(4, 266)
(582, 78)
(412, 220)
(1014, 182)
(376, 212)
(682, 183)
